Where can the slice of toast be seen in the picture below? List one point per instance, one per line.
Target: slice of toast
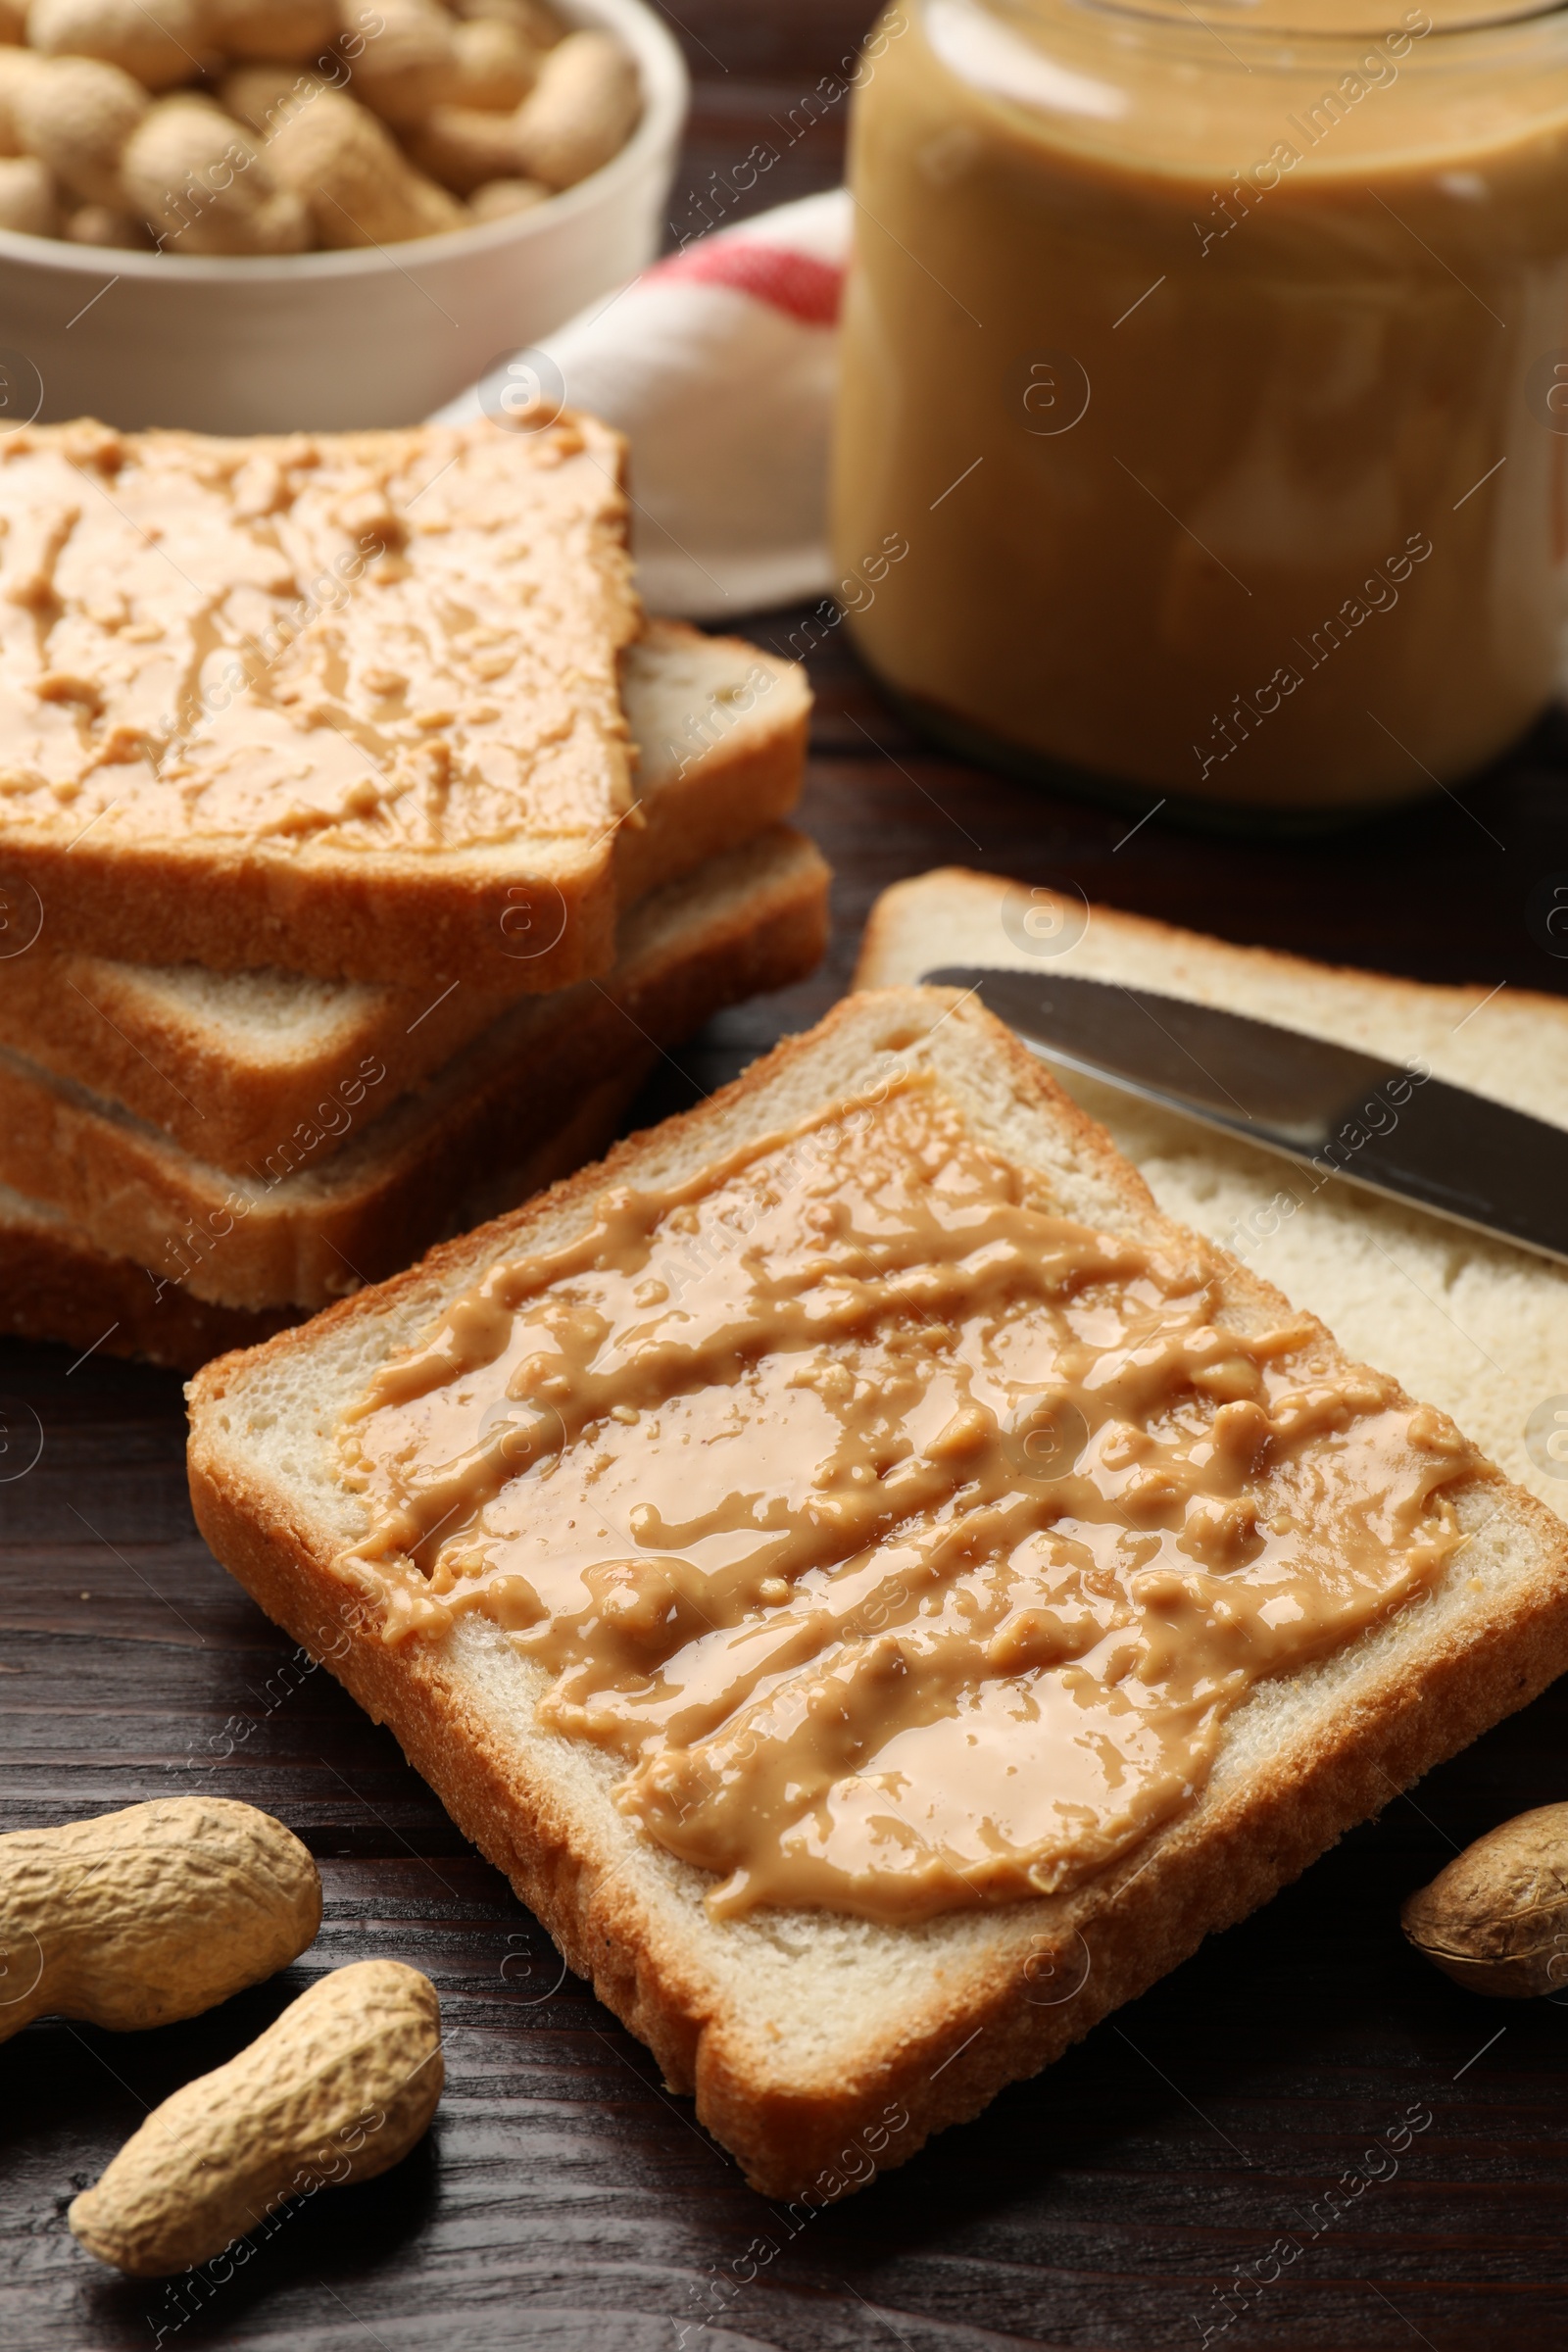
(226, 1063)
(342, 702)
(288, 1229)
(822, 2046)
(54, 1285)
(1478, 1327)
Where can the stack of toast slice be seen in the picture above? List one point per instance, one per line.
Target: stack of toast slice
(362, 845)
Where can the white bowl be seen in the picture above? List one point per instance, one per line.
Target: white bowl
(333, 340)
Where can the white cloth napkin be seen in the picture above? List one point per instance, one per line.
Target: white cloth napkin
(718, 365)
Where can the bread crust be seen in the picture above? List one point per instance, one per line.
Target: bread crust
(328, 912)
(878, 964)
(1402, 1701)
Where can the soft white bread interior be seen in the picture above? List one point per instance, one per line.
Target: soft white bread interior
(1470, 1324)
(229, 1064)
(720, 730)
(305, 1227)
(820, 2047)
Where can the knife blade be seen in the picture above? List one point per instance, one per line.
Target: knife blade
(1391, 1127)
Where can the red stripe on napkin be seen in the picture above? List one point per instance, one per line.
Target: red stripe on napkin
(806, 288)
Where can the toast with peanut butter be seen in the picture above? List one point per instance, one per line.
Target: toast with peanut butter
(1478, 1327)
(230, 1064)
(881, 1589)
(344, 703)
(296, 1225)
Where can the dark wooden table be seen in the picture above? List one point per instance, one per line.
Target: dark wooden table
(1228, 2126)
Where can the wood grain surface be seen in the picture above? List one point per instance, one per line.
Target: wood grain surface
(1306, 2137)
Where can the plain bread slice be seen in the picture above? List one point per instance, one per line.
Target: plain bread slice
(1475, 1326)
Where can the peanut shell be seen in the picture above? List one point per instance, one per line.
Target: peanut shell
(272, 29)
(154, 1913)
(17, 67)
(28, 197)
(159, 42)
(97, 224)
(496, 67)
(76, 113)
(500, 199)
(535, 20)
(1497, 1919)
(338, 2089)
(360, 187)
(203, 184)
(581, 111)
(411, 64)
(463, 146)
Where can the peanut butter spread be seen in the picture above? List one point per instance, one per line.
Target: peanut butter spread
(909, 1542)
(399, 639)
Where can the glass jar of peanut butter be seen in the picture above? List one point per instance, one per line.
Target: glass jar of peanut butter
(1209, 364)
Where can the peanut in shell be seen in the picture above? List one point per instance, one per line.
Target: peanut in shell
(76, 113)
(360, 185)
(159, 42)
(1497, 1919)
(158, 1912)
(580, 112)
(338, 2089)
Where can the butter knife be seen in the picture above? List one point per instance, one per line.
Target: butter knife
(1390, 1126)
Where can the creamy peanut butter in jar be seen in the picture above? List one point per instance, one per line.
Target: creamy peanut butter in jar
(1212, 363)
